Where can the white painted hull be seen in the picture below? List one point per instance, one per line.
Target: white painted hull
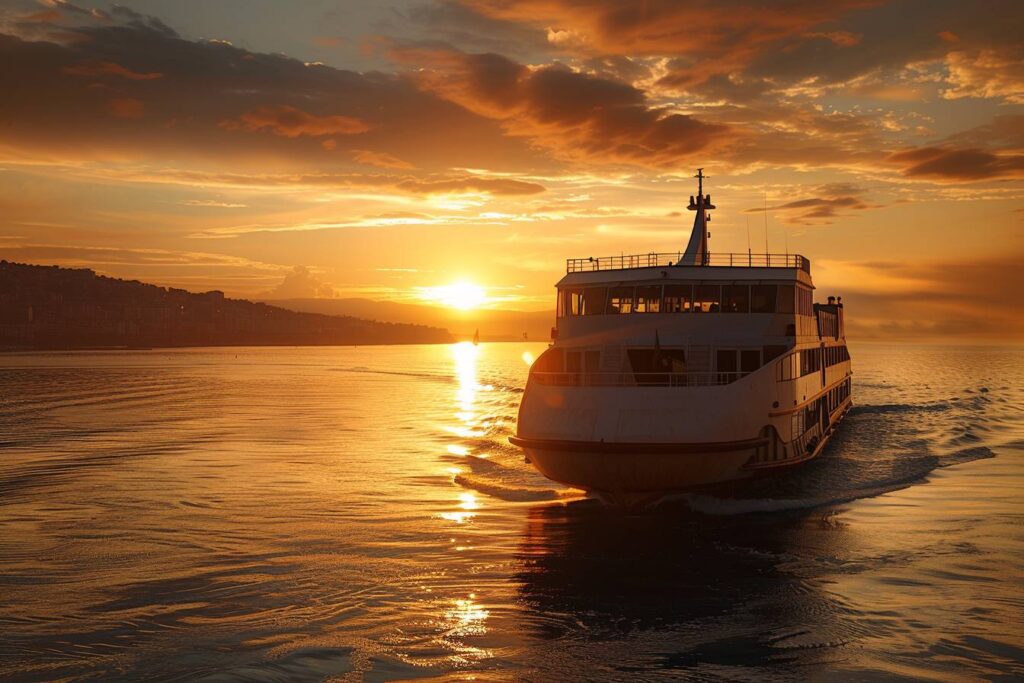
(632, 445)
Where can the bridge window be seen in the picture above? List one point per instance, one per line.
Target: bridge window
(762, 298)
(750, 360)
(786, 299)
(648, 300)
(707, 299)
(678, 299)
(593, 300)
(582, 301)
(620, 300)
(736, 299)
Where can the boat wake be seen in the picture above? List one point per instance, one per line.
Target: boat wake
(880, 448)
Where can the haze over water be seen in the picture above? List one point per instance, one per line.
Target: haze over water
(333, 513)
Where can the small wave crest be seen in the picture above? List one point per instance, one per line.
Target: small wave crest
(508, 491)
(712, 505)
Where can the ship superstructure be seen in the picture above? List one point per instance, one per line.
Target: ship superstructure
(672, 371)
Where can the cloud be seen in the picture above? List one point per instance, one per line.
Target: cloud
(110, 69)
(665, 27)
(64, 84)
(829, 202)
(994, 73)
(965, 299)
(952, 164)
(379, 159)
(126, 108)
(575, 116)
(292, 122)
(418, 185)
(301, 283)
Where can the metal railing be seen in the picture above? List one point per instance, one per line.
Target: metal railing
(636, 379)
(668, 259)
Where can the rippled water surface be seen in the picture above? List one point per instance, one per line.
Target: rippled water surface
(357, 513)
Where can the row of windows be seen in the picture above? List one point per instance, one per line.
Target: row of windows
(675, 298)
(815, 412)
(837, 395)
(808, 361)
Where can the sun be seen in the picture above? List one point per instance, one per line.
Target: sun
(461, 295)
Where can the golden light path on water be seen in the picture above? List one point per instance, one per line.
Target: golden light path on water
(358, 514)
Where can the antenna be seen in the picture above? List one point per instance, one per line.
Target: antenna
(750, 253)
(766, 252)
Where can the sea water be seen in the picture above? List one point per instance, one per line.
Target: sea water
(306, 514)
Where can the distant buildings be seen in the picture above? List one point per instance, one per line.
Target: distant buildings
(47, 307)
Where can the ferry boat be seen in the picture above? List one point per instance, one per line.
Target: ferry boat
(674, 372)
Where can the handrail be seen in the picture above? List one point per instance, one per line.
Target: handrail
(672, 259)
(639, 379)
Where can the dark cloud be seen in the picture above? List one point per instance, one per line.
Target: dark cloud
(826, 203)
(666, 27)
(292, 122)
(944, 163)
(952, 300)
(128, 88)
(574, 115)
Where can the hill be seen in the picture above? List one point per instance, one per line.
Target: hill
(47, 307)
(494, 325)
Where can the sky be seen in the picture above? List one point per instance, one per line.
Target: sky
(383, 149)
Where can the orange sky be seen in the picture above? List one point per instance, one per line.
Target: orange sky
(380, 149)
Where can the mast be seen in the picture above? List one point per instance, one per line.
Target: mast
(697, 248)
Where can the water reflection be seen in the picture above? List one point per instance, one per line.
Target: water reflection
(709, 589)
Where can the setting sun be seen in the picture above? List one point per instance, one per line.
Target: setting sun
(461, 295)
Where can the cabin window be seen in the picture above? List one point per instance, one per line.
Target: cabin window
(786, 299)
(678, 299)
(707, 299)
(798, 423)
(810, 361)
(750, 360)
(581, 301)
(762, 298)
(549, 361)
(593, 300)
(620, 300)
(736, 299)
(648, 299)
(655, 366)
(726, 365)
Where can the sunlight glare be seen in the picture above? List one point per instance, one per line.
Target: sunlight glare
(461, 295)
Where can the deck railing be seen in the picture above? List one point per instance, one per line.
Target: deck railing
(636, 379)
(666, 259)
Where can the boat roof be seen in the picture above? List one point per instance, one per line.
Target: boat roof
(662, 266)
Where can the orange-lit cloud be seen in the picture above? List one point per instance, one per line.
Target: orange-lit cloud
(575, 115)
(292, 122)
(110, 69)
(126, 108)
(950, 164)
(379, 159)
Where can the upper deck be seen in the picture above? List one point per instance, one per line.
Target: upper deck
(673, 259)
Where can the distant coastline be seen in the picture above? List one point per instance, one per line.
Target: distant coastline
(54, 308)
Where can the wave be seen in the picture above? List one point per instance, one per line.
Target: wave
(509, 492)
(712, 505)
